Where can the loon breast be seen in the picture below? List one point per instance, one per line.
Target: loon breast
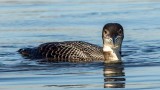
(68, 51)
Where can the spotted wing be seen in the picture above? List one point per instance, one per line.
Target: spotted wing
(61, 52)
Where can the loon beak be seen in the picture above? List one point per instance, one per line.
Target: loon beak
(113, 41)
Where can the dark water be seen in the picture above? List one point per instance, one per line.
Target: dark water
(28, 23)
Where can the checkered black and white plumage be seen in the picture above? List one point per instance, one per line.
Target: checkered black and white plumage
(68, 51)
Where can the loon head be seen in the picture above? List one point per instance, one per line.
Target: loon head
(112, 36)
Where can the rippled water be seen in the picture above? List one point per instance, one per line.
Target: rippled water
(28, 23)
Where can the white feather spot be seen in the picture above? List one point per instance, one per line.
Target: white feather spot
(107, 48)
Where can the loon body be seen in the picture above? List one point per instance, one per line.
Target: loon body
(79, 51)
(68, 51)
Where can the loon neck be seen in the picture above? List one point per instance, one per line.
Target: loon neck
(111, 55)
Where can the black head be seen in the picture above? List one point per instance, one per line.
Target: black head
(113, 32)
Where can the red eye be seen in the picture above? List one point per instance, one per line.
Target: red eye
(106, 32)
(120, 31)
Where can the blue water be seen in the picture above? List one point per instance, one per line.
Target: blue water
(28, 23)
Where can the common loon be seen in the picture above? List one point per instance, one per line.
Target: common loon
(80, 51)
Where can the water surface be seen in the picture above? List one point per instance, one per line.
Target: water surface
(28, 23)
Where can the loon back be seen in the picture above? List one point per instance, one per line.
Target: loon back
(68, 51)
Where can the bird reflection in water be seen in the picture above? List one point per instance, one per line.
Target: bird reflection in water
(114, 75)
